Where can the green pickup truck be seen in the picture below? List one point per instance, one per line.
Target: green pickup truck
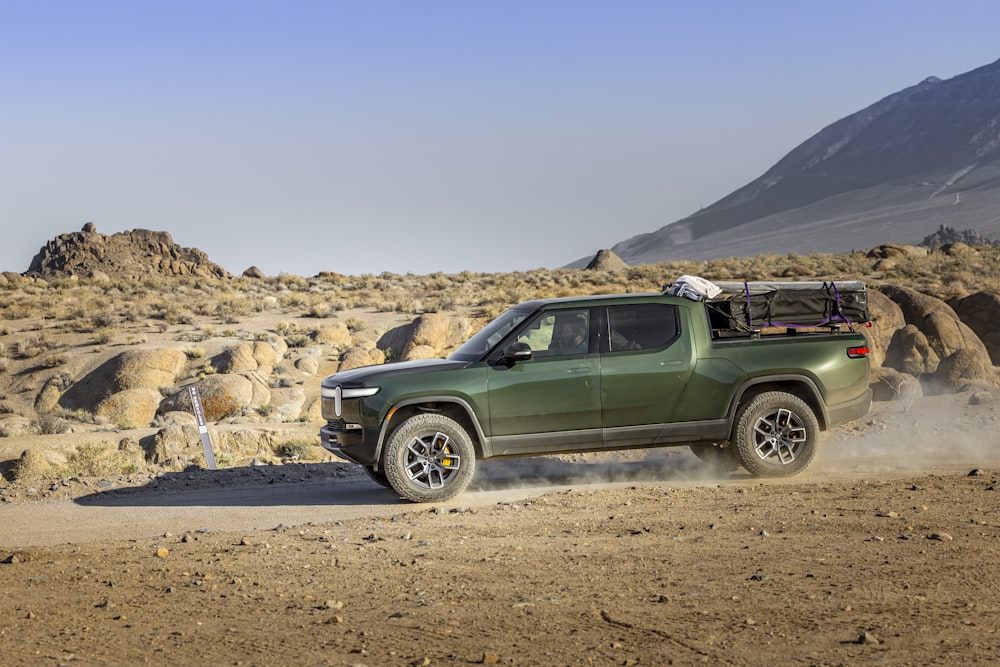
(583, 374)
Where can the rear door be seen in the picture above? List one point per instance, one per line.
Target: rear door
(646, 360)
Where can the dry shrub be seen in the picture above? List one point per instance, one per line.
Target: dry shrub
(100, 459)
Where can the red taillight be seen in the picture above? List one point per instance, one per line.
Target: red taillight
(858, 352)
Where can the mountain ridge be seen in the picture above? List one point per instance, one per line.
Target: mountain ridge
(899, 168)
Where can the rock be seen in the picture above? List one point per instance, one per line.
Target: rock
(946, 235)
(420, 352)
(981, 397)
(606, 260)
(48, 398)
(939, 323)
(894, 251)
(431, 330)
(981, 313)
(132, 408)
(867, 638)
(13, 427)
(171, 442)
(254, 272)
(32, 465)
(887, 319)
(222, 395)
(355, 357)
(308, 365)
(266, 357)
(888, 384)
(910, 352)
(130, 255)
(245, 442)
(965, 367)
(133, 369)
(336, 334)
(236, 359)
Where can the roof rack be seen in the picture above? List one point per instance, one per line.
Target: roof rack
(764, 286)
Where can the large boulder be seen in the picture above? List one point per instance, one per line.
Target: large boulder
(222, 396)
(337, 335)
(981, 313)
(132, 408)
(432, 331)
(237, 358)
(359, 356)
(911, 353)
(946, 334)
(134, 369)
(887, 319)
(962, 369)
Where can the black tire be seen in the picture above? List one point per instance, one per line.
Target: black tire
(377, 476)
(776, 435)
(429, 458)
(721, 458)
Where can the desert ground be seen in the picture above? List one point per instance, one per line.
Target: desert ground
(113, 553)
(884, 553)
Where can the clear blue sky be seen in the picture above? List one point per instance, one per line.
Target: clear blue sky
(363, 136)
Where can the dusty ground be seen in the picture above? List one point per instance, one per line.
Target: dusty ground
(884, 553)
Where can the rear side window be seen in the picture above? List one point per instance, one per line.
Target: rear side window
(641, 326)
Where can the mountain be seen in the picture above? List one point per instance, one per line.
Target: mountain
(926, 156)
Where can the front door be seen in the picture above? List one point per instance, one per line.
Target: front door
(550, 402)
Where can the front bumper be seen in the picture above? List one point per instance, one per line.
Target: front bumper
(354, 444)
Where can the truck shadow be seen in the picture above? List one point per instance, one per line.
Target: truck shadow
(345, 484)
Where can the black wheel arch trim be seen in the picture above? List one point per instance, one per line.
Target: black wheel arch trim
(814, 400)
(444, 398)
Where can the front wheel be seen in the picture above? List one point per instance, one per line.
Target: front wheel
(777, 435)
(429, 458)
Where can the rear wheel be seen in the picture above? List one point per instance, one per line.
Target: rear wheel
(777, 435)
(429, 458)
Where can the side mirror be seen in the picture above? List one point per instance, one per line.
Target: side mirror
(517, 351)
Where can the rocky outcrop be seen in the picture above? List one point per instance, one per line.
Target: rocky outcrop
(936, 345)
(606, 260)
(946, 236)
(131, 254)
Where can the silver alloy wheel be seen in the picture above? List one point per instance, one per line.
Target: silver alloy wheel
(778, 436)
(431, 460)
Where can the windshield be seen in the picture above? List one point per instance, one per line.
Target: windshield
(486, 339)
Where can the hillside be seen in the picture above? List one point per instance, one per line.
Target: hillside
(895, 171)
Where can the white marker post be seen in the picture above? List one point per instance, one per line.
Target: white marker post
(206, 439)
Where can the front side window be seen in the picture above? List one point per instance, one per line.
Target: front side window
(641, 326)
(558, 333)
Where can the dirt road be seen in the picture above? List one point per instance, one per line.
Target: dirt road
(885, 553)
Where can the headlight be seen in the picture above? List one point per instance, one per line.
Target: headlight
(338, 394)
